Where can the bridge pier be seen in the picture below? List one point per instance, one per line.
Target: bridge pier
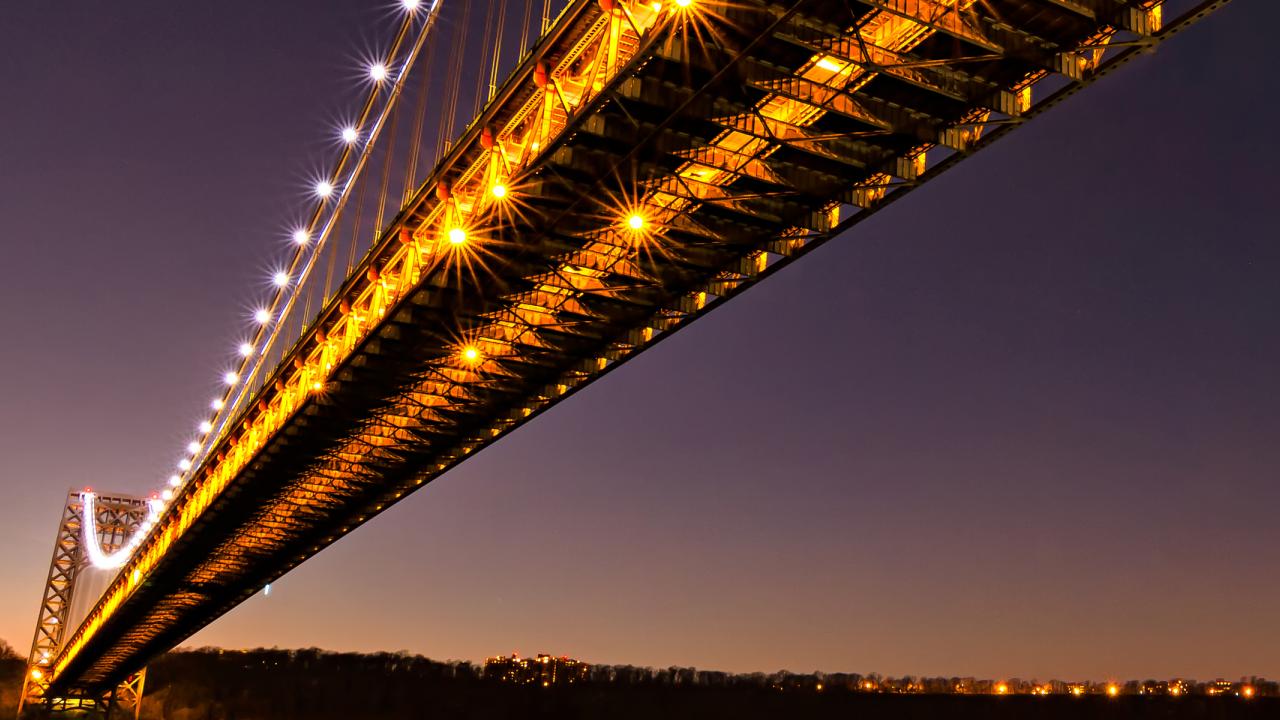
(120, 703)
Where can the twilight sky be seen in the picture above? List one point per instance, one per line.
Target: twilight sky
(1026, 422)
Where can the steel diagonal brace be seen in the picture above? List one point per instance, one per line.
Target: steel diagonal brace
(994, 37)
(1142, 21)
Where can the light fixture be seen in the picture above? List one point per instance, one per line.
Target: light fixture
(262, 316)
(245, 349)
(499, 190)
(301, 236)
(230, 378)
(324, 189)
(378, 72)
(175, 480)
(636, 221)
(193, 447)
(217, 403)
(280, 279)
(350, 135)
(470, 353)
(457, 236)
(184, 464)
(206, 426)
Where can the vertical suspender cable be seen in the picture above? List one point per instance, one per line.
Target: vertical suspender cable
(410, 176)
(524, 26)
(388, 156)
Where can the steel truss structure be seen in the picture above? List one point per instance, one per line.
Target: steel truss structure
(116, 518)
(644, 163)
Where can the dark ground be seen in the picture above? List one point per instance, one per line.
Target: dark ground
(271, 685)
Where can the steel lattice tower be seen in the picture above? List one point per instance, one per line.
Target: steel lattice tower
(117, 518)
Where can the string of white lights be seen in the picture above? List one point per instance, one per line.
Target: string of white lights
(254, 352)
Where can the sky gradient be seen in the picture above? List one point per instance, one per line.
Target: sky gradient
(1023, 423)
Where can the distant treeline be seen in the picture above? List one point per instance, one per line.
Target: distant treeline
(212, 684)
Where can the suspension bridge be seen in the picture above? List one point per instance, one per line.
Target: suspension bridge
(514, 214)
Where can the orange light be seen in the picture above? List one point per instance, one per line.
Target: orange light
(684, 3)
(457, 236)
(1247, 691)
(499, 190)
(1001, 688)
(636, 221)
(36, 674)
(470, 353)
(1112, 690)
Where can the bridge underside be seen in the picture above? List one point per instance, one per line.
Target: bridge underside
(742, 136)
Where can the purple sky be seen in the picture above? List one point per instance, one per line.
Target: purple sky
(1026, 422)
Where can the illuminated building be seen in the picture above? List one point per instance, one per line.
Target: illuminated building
(543, 670)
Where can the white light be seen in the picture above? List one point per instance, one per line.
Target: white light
(167, 495)
(324, 188)
(410, 5)
(206, 426)
(378, 72)
(175, 480)
(89, 522)
(217, 403)
(280, 279)
(262, 316)
(301, 236)
(267, 590)
(830, 64)
(245, 349)
(193, 447)
(350, 135)
(184, 464)
(230, 378)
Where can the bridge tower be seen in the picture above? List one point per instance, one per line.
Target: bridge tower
(70, 591)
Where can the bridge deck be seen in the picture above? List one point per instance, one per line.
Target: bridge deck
(735, 138)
